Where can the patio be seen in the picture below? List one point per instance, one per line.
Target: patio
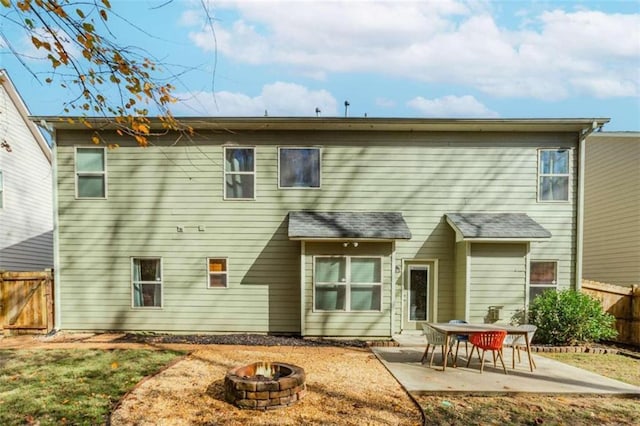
(550, 376)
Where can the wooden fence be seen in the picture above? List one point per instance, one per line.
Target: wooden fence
(621, 302)
(26, 302)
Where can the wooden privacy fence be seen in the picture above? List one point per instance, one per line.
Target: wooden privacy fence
(26, 302)
(621, 302)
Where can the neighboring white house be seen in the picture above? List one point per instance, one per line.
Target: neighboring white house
(612, 208)
(26, 212)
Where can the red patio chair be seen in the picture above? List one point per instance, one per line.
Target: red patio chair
(488, 341)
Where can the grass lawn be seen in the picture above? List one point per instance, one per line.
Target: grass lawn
(619, 367)
(547, 410)
(70, 386)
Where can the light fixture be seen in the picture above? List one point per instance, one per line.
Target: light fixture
(355, 244)
(345, 244)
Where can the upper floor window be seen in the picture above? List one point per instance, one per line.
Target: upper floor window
(146, 280)
(346, 283)
(239, 173)
(1, 191)
(543, 275)
(299, 167)
(91, 179)
(553, 175)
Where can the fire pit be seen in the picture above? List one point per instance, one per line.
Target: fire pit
(264, 385)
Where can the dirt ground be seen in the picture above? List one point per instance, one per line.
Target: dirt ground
(345, 385)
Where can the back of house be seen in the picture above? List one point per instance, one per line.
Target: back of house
(26, 187)
(316, 226)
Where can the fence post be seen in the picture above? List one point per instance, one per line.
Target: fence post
(49, 300)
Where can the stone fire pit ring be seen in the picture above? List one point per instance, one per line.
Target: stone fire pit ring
(264, 386)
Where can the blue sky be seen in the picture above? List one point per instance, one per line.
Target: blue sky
(434, 58)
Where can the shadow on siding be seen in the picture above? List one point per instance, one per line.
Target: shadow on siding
(33, 254)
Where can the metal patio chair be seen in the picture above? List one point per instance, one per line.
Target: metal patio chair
(460, 338)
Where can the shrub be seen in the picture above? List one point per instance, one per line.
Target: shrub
(568, 317)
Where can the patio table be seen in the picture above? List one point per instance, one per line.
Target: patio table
(449, 329)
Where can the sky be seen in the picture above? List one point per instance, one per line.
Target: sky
(424, 59)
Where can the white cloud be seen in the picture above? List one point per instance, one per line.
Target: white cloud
(552, 55)
(451, 106)
(277, 99)
(385, 103)
(190, 17)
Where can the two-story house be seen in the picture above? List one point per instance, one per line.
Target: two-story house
(26, 187)
(316, 226)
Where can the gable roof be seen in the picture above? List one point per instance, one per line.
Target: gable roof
(310, 225)
(496, 226)
(17, 101)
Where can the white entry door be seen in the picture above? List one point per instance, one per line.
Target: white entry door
(416, 297)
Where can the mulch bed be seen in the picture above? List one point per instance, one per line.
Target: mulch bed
(238, 339)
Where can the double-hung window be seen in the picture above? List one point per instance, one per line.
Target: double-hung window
(146, 281)
(299, 167)
(91, 179)
(217, 268)
(543, 275)
(239, 173)
(346, 283)
(553, 175)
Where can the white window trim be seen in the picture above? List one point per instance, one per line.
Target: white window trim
(225, 273)
(133, 306)
(545, 285)
(306, 188)
(348, 284)
(418, 266)
(540, 175)
(77, 174)
(254, 173)
(1, 190)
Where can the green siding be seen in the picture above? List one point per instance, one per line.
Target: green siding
(460, 292)
(152, 191)
(612, 209)
(497, 278)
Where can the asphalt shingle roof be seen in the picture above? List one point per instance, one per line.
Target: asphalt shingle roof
(497, 225)
(367, 225)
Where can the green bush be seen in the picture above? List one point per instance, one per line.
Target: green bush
(568, 317)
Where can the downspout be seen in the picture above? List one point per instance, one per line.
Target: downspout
(393, 288)
(56, 238)
(303, 279)
(580, 210)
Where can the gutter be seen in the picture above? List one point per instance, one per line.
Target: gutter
(584, 133)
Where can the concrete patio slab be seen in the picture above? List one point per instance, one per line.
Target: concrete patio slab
(550, 376)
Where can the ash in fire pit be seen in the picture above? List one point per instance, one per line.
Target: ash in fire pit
(263, 385)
